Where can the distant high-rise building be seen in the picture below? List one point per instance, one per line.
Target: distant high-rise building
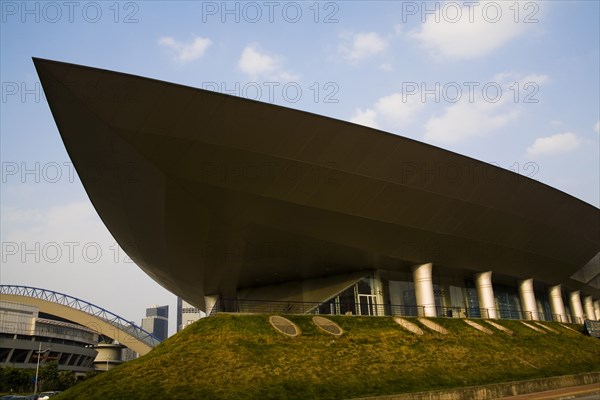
(157, 321)
(186, 314)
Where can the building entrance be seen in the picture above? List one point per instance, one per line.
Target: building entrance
(367, 304)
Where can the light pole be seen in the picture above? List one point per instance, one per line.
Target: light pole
(37, 368)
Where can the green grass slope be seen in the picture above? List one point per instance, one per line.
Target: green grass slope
(243, 357)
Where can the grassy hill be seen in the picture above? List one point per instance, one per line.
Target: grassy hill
(243, 357)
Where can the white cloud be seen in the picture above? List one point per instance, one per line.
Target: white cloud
(255, 63)
(186, 52)
(69, 222)
(395, 111)
(555, 144)
(471, 31)
(531, 79)
(466, 120)
(481, 114)
(472, 112)
(386, 67)
(13, 214)
(365, 117)
(67, 248)
(597, 127)
(399, 110)
(363, 45)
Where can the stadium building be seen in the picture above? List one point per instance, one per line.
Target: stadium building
(39, 325)
(26, 334)
(237, 205)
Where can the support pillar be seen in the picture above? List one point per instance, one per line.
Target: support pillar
(556, 304)
(380, 308)
(597, 309)
(576, 309)
(588, 304)
(485, 295)
(210, 302)
(424, 290)
(527, 296)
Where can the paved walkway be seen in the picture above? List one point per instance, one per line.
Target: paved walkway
(566, 393)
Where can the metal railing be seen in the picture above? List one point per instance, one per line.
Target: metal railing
(567, 319)
(487, 313)
(111, 318)
(355, 308)
(297, 307)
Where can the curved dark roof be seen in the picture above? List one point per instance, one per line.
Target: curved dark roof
(209, 192)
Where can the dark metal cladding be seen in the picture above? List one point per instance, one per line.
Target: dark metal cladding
(209, 193)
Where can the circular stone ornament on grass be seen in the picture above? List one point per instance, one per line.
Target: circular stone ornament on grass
(498, 326)
(533, 327)
(433, 326)
(284, 326)
(409, 326)
(566, 327)
(545, 327)
(328, 326)
(478, 327)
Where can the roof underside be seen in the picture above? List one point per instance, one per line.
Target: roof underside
(209, 193)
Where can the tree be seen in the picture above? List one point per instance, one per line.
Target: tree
(67, 379)
(16, 380)
(49, 377)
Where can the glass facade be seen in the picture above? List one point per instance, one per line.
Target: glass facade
(363, 298)
(454, 298)
(543, 306)
(402, 298)
(457, 299)
(472, 301)
(344, 303)
(508, 302)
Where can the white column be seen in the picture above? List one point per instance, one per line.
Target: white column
(556, 304)
(485, 295)
(210, 302)
(527, 296)
(378, 289)
(424, 289)
(589, 307)
(596, 310)
(576, 309)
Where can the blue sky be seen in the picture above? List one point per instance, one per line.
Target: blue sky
(515, 83)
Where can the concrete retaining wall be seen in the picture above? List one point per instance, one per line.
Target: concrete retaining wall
(488, 392)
